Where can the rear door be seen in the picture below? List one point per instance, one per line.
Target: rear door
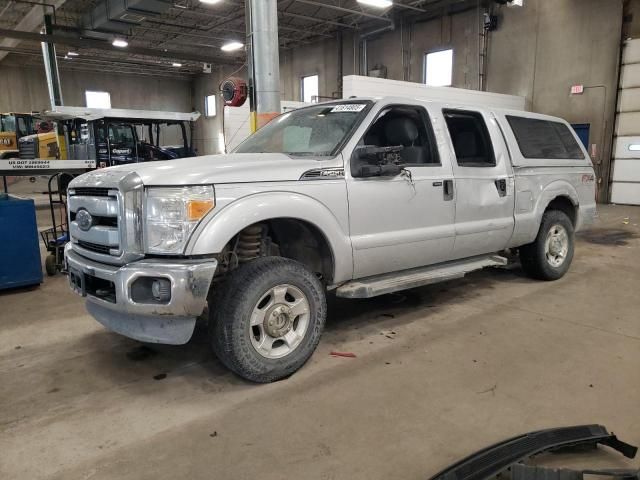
(484, 182)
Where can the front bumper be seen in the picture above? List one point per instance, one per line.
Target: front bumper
(171, 322)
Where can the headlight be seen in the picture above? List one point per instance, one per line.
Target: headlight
(171, 215)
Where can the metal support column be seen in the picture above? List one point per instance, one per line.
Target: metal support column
(264, 61)
(51, 66)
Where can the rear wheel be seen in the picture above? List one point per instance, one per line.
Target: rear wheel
(550, 255)
(267, 318)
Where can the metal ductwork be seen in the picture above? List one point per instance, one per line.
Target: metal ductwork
(118, 16)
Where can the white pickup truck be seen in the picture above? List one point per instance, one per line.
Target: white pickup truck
(361, 197)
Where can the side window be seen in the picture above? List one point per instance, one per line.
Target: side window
(121, 134)
(544, 139)
(470, 138)
(408, 127)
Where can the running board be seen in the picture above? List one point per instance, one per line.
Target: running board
(416, 277)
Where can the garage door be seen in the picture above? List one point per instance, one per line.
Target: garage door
(625, 186)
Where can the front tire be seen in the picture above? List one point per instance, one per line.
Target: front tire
(266, 318)
(550, 255)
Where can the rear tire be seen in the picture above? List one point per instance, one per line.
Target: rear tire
(550, 255)
(266, 319)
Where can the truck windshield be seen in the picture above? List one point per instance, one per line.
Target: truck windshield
(318, 130)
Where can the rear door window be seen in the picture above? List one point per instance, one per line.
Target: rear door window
(544, 139)
(470, 138)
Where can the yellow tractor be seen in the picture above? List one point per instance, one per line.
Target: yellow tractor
(14, 126)
(46, 143)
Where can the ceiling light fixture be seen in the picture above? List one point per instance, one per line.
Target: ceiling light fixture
(377, 3)
(210, 2)
(120, 43)
(231, 46)
(176, 64)
(72, 54)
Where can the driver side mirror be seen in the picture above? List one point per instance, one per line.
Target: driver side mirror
(373, 161)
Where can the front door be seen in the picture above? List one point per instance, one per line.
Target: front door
(403, 221)
(484, 183)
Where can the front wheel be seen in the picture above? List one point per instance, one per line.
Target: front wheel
(267, 318)
(550, 255)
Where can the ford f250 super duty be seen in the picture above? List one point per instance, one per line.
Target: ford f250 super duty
(360, 196)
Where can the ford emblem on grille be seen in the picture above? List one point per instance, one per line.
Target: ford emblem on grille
(84, 219)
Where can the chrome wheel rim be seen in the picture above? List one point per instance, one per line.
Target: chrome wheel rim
(556, 245)
(279, 321)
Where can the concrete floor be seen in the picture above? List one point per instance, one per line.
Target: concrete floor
(440, 372)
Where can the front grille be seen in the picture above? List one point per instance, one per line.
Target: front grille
(94, 247)
(28, 149)
(102, 236)
(91, 191)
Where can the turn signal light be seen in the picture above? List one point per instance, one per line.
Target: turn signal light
(196, 209)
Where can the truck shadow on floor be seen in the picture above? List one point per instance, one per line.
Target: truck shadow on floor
(346, 320)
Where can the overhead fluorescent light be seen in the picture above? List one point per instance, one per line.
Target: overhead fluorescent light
(210, 2)
(120, 43)
(231, 46)
(377, 3)
(72, 54)
(176, 64)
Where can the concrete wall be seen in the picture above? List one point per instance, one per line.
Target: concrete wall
(208, 137)
(25, 89)
(317, 59)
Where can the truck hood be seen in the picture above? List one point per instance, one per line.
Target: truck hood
(231, 168)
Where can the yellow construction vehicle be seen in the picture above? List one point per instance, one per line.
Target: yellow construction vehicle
(14, 126)
(47, 143)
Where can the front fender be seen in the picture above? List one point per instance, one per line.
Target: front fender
(217, 230)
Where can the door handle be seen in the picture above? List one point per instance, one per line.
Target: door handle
(501, 186)
(448, 190)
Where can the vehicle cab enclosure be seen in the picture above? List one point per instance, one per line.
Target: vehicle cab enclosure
(14, 126)
(113, 136)
(362, 196)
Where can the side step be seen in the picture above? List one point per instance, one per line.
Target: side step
(416, 277)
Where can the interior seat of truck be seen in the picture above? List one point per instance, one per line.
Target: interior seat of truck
(403, 131)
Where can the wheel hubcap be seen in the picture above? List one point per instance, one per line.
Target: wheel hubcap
(557, 245)
(279, 321)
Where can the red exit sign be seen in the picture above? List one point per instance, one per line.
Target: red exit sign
(577, 89)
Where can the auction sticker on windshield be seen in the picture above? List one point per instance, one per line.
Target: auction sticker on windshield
(349, 107)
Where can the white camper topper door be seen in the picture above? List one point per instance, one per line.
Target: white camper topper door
(625, 187)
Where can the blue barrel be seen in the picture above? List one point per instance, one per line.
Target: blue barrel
(20, 263)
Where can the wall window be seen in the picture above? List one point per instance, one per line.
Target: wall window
(470, 138)
(210, 106)
(309, 89)
(438, 68)
(98, 99)
(544, 139)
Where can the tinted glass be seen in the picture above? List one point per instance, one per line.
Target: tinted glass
(544, 139)
(470, 138)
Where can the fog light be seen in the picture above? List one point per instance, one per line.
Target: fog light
(161, 289)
